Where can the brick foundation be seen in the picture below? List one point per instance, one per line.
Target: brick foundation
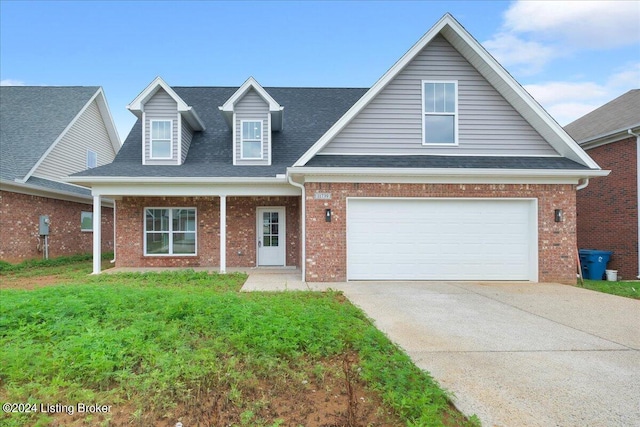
(326, 256)
(19, 221)
(608, 207)
(241, 231)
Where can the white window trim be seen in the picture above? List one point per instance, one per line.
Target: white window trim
(86, 230)
(170, 231)
(171, 141)
(89, 152)
(455, 115)
(242, 156)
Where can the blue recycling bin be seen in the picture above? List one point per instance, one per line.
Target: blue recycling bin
(594, 263)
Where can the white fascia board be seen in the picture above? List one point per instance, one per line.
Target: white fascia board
(33, 190)
(609, 137)
(191, 189)
(107, 118)
(462, 175)
(500, 79)
(137, 105)
(374, 90)
(242, 90)
(91, 181)
(275, 109)
(59, 138)
(515, 94)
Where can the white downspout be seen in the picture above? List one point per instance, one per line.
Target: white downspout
(582, 183)
(637, 189)
(97, 238)
(303, 226)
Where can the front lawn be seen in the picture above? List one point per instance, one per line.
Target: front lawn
(183, 346)
(623, 289)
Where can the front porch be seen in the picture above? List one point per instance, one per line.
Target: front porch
(213, 233)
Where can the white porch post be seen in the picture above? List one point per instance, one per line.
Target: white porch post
(97, 233)
(223, 234)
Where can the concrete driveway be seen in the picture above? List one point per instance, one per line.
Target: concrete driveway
(517, 354)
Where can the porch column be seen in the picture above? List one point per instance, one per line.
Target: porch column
(97, 233)
(223, 234)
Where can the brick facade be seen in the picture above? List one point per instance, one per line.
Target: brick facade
(19, 222)
(326, 256)
(608, 207)
(241, 231)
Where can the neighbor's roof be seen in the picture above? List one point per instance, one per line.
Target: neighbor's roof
(620, 114)
(308, 113)
(31, 119)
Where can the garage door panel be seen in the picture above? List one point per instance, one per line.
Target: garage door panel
(439, 239)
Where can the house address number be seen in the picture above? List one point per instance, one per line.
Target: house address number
(322, 196)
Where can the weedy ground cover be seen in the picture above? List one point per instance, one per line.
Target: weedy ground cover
(187, 346)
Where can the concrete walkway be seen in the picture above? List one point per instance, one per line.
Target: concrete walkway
(515, 354)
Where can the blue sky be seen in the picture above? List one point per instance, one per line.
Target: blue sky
(571, 56)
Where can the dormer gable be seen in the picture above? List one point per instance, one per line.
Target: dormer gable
(168, 124)
(252, 114)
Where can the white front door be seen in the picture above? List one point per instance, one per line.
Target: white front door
(270, 233)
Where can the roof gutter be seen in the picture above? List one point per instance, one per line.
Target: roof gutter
(631, 132)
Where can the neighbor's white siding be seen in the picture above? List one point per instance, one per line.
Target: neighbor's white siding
(252, 107)
(70, 154)
(392, 122)
(161, 107)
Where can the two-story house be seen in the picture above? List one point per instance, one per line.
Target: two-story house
(46, 134)
(445, 169)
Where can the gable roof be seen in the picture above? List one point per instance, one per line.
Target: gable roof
(34, 118)
(616, 116)
(189, 113)
(275, 110)
(490, 69)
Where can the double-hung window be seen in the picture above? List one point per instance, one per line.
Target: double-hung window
(170, 231)
(161, 131)
(440, 112)
(251, 139)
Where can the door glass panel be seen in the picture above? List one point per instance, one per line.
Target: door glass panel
(274, 217)
(267, 241)
(274, 229)
(274, 241)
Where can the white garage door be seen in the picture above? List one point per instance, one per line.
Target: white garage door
(441, 239)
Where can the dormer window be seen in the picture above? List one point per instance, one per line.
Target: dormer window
(251, 146)
(161, 139)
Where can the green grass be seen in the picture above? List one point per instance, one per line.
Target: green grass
(623, 289)
(156, 340)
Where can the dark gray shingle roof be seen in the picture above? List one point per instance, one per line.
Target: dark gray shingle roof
(308, 113)
(437, 162)
(31, 118)
(622, 112)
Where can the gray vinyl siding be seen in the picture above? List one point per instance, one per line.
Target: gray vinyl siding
(70, 154)
(161, 107)
(252, 107)
(392, 122)
(187, 135)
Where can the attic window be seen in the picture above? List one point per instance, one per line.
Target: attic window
(92, 159)
(251, 139)
(440, 112)
(161, 131)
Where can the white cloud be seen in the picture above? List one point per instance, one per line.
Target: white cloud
(568, 101)
(11, 82)
(536, 32)
(580, 24)
(529, 57)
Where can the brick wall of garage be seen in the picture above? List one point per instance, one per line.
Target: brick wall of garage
(241, 231)
(19, 227)
(326, 257)
(608, 207)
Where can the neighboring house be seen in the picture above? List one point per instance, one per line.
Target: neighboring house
(608, 207)
(47, 133)
(445, 169)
